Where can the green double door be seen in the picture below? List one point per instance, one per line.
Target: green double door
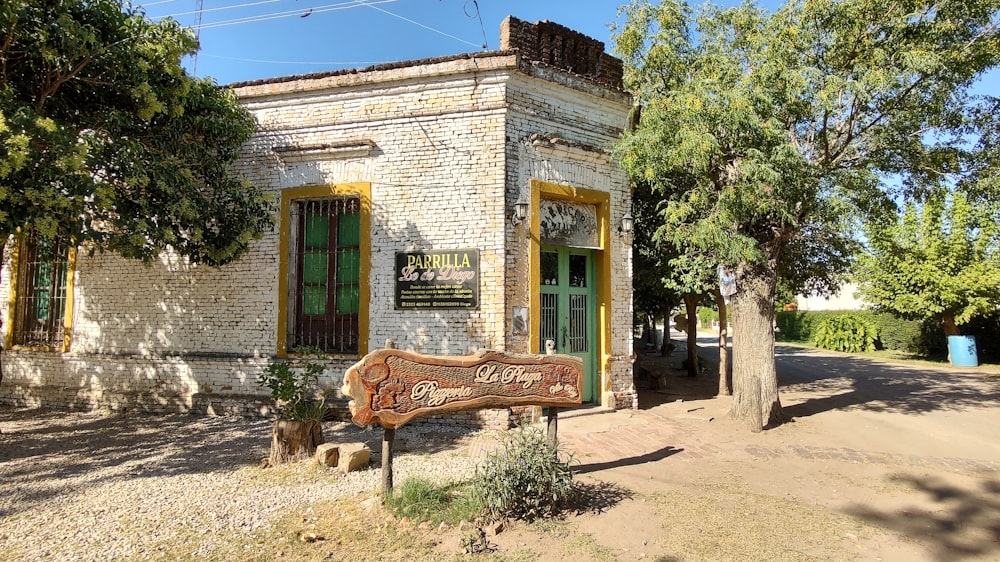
(568, 308)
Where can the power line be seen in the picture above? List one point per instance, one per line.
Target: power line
(289, 14)
(365, 3)
(319, 63)
(219, 9)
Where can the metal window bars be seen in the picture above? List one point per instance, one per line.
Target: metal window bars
(324, 274)
(40, 294)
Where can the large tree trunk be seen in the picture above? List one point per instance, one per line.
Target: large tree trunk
(724, 388)
(691, 309)
(755, 381)
(294, 440)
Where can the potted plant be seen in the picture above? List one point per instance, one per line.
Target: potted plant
(300, 408)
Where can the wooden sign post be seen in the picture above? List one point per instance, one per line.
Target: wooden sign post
(391, 387)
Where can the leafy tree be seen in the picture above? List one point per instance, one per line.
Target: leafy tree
(107, 141)
(651, 295)
(760, 130)
(938, 260)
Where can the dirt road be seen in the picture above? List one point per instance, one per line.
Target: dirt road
(881, 462)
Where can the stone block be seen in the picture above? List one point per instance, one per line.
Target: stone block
(328, 454)
(353, 456)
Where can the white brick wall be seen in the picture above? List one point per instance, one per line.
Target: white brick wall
(449, 158)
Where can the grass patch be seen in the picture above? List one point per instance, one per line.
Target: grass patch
(422, 500)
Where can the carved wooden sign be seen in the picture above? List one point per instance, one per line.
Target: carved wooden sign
(391, 387)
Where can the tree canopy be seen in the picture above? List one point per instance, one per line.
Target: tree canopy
(766, 133)
(106, 139)
(940, 260)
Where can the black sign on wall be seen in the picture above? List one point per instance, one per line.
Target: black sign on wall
(438, 279)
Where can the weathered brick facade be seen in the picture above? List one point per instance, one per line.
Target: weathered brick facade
(442, 148)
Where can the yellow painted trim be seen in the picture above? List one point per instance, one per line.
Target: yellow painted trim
(362, 190)
(68, 309)
(8, 338)
(602, 201)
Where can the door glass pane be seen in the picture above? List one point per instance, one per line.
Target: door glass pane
(577, 270)
(550, 268)
(578, 324)
(550, 318)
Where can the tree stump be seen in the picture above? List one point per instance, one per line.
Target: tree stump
(294, 440)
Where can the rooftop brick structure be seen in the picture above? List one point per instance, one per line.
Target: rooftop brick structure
(561, 47)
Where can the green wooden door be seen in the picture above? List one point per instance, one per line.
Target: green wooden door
(568, 308)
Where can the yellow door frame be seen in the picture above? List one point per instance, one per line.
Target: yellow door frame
(602, 257)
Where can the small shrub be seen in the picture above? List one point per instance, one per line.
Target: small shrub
(526, 478)
(294, 390)
(846, 332)
(421, 500)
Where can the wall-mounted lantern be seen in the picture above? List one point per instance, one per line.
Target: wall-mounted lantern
(626, 225)
(519, 213)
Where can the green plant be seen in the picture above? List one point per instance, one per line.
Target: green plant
(294, 391)
(850, 333)
(525, 479)
(706, 316)
(422, 500)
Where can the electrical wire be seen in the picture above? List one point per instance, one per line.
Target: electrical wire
(328, 63)
(427, 27)
(219, 9)
(479, 16)
(289, 14)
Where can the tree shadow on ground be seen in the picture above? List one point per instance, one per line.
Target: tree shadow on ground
(845, 382)
(61, 452)
(961, 523)
(597, 497)
(629, 461)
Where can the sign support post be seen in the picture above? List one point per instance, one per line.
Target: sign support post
(388, 444)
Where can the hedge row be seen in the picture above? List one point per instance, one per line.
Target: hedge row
(924, 338)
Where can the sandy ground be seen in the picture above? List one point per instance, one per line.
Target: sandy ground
(882, 462)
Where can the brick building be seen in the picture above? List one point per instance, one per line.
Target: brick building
(448, 204)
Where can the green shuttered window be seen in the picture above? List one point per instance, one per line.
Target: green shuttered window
(326, 235)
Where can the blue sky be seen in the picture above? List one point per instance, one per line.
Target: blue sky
(349, 34)
(254, 39)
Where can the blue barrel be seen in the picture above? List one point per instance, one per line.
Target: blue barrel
(962, 350)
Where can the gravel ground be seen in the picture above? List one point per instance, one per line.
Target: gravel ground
(91, 486)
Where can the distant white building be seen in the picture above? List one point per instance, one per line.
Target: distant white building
(844, 299)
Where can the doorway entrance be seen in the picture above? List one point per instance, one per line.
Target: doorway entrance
(568, 308)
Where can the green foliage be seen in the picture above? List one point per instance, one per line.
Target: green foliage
(938, 260)
(294, 390)
(896, 333)
(526, 478)
(849, 333)
(106, 139)
(768, 135)
(707, 315)
(421, 500)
